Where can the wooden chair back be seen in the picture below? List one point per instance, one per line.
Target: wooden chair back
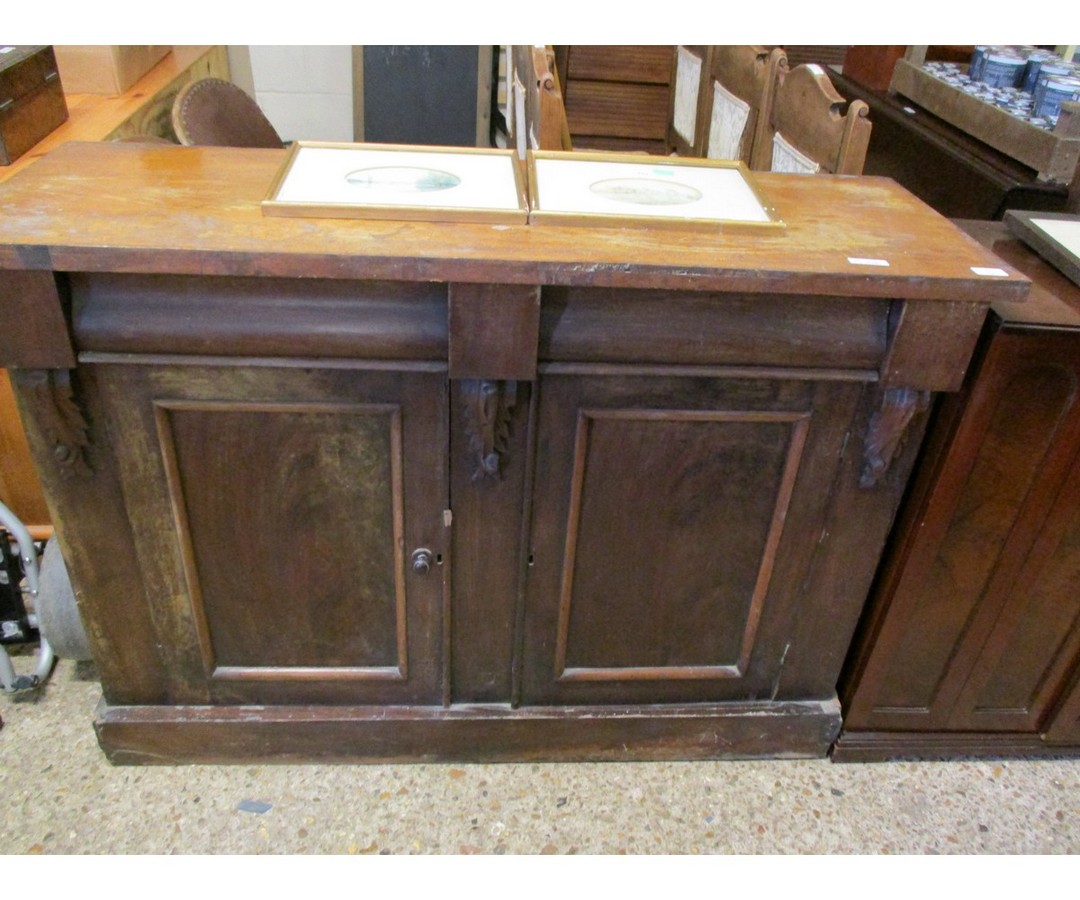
(814, 135)
(216, 113)
(738, 100)
(539, 113)
(689, 76)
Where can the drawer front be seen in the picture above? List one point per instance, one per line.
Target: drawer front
(641, 327)
(259, 317)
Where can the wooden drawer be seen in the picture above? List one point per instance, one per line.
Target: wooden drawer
(269, 317)
(697, 329)
(31, 99)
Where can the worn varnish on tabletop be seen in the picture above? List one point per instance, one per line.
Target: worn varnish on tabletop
(196, 210)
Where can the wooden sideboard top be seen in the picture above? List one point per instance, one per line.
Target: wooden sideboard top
(153, 208)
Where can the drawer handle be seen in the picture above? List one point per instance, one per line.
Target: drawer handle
(6, 105)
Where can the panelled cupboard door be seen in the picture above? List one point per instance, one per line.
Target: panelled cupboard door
(674, 526)
(275, 511)
(982, 632)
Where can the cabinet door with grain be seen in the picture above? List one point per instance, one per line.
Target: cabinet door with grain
(978, 610)
(674, 528)
(277, 512)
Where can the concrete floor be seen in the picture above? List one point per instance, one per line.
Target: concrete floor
(58, 795)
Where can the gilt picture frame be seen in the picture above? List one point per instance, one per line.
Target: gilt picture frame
(1054, 236)
(321, 179)
(627, 189)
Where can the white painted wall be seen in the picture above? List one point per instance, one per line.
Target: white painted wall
(305, 91)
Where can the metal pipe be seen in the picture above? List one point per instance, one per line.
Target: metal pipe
(7, 671)
(27, 550)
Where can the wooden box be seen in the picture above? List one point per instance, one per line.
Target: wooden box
(1053, 154)
(31, 99)
(100, 69)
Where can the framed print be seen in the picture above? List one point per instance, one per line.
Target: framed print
(619, 189)
(1054, 236)
(398, 181)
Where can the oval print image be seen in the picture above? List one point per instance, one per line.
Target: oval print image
(404, 179)
(645, 191)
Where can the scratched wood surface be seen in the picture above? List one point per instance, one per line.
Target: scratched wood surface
(148, 208)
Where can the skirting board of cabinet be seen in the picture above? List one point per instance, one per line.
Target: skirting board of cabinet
(884, 746)
(148, 735)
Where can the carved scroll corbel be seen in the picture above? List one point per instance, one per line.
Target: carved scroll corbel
(50, 395)
(488, 407)
(888, 430)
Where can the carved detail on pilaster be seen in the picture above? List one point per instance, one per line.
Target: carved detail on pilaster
(488, 406)
(61, 420)
(888, 430)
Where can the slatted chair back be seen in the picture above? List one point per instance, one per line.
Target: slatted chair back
(808, 132)
(689, 76)
(738, 100)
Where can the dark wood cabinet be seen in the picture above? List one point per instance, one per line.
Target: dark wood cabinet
(377, 490)
(972, 643)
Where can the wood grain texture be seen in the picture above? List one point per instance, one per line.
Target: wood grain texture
(303, 590)
(972, 635)
(972, 534)
(647, 64)
(317, 318)
(608, 109)
(35, 326)
(887, 746)
(614, 519)
(100, 554)
(493, 331)
(641, 586)
(931, 343)
(488, 553)
(646, 327)
(156, 735)
(121, 207)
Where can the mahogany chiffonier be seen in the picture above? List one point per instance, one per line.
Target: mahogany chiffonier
(378, 490)
(971, 644)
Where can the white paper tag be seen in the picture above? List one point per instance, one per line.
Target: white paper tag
(990, 272)
(862, 261)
